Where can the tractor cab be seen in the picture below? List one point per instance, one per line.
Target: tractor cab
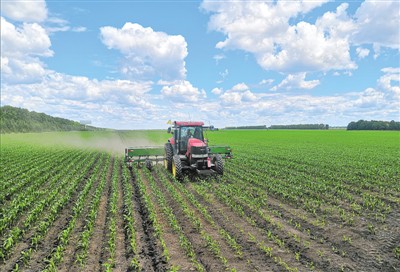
(189, 135)
(185, 135)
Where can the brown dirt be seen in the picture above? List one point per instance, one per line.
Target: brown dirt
(68, 261)
(149, 249)
(171, 239)
(95, 261)
(122, 263)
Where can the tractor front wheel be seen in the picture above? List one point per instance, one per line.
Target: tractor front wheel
(177, 167)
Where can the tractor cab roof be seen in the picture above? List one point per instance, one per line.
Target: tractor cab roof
(188, 124)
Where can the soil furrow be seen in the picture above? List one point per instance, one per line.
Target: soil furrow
(94, 261)
(150, 252)
(120, 249)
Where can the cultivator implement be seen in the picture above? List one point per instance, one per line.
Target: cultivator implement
(148, 155)
(144, 154)
(224, 150)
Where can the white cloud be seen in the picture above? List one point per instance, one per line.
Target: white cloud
(217, 91)
(57, 86)
(30, 39)
(183, 91)
(223, 75)
(219, 57)
(24, 11)
(296, 81)
(147, 52)
(21, 48)
(266, 81)
(108, 103)
(274, 33)
(263, 28)
(390, 81)
(362, 52)
(239, 94)
(378, 24)
(79, 29)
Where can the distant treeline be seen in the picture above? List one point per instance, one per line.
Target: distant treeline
(21, 120)
(300, 126)
(373, 125)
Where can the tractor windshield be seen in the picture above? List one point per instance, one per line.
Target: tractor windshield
(189, 132)
(192, 132)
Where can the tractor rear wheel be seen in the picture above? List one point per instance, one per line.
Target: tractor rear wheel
(219, 164)
(168, 156)
(177, 167)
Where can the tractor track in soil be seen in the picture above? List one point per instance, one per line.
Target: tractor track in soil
(36, 262)
(149, 249)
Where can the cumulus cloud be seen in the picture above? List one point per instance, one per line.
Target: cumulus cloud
(263, 28)
(238, 94)
(57, 86)
(378, 24)
(22, 48)
(25, 11)
(390, 81)
(275, 34)
(147, 52)
(106, 102)
(183, 91)
(217, 91)
(296, 81)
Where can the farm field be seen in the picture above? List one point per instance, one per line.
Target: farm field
(288, 201)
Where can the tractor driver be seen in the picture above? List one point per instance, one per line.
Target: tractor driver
(197, 133)
(189, 133)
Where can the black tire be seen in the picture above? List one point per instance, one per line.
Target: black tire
(177, 168)
(168, 156)
(219, 164)
(149, 165)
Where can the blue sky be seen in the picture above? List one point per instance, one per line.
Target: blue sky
(137, 64)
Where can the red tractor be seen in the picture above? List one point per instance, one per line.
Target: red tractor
(187, 150)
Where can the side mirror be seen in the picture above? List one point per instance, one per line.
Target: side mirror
(169, 130)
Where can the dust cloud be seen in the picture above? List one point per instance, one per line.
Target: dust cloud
(113, 142)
